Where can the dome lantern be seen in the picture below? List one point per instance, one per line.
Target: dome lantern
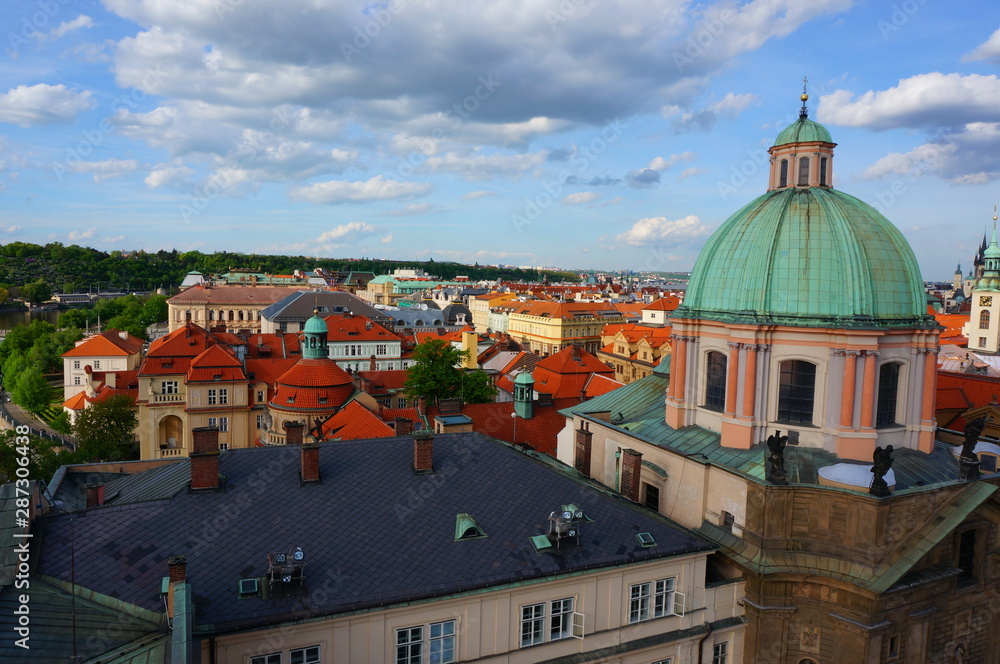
(802, 155)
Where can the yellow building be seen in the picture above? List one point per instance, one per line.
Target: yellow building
(547, 327)
(480, 307)
(237, 308)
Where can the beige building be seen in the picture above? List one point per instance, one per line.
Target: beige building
(108, 352)
(236, 308)
(546, 327)
(480, 306)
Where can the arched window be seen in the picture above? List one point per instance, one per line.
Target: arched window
(984, 319)
(187, 315)
(231, 315)
(211, 315)
(783, 179)
(803, 171)
(715, 381)
(888, 391)
(822, 171)
(796, 392)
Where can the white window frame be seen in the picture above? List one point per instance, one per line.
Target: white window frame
(261, 419)
(213, 421)
(554, 620)
(532, 624)
(269, 658)
(720, 653)
(655, 599)
(169, 387)
(223, 396)
(212, 396)
(443, 646)
(560, 619)
(307, 655)
(76, 364)
(261, 396)
(381, 349)
(97, 364)
(76, 380)
(410, 649)
(223, 424)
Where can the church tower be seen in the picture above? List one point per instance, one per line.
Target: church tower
(982, 331)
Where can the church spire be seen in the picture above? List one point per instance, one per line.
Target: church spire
(804, 112)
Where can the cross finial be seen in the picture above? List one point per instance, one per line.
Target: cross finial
(804, 112)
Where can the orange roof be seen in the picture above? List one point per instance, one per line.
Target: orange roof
(952, 323)
(355, 422)
(564, 374)
(385, 380)
(216, 363)
(978, 390)
(313, 385)
(668, 303)
(599, 384)
(951, 398)
(356, 328)
(76, 402)
(187, 341)
(164, 366)
(566, 310)
(107, 344)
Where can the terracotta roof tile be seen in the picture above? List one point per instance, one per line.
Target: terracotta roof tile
(355, 422)
(106, 344)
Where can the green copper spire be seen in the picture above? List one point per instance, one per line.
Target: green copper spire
(314, 343)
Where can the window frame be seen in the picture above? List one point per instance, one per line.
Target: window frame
(535, 622)
(984, 319)
(654, 599)
(792, 392)
(212, 398)
(720, 652)
(266, 658)
(716, 373)
(561, 618)
(404, 650)
(223, 396)
(440, 640)
(887, 395)
(169, 387)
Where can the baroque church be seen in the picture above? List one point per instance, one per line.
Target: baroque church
(794, 427)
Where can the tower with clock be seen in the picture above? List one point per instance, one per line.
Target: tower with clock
(983, 328)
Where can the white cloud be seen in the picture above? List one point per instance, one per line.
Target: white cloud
(163, 175)
(966, 156)
(660, 230)
(581, 198)
(916, 162)
(412, 209)
(335, 192)
(691, 172)
(473, 195)
(81, 21)
(387, 239)
(478, 166)
(11, 229)
(728, 108)
(925, 100)
(42, 104)
(82, 235)
(104, 170)
(661, 164)
(345, 234)
(113, 240)
(988, 50)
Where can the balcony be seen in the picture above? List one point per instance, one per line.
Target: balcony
(166, 453)
(168, 398)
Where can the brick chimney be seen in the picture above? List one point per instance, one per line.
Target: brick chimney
(371, 363)
(402, 426)
(421, 406)
(423, 452)
(176, 573)
(205, 459)
(631, 470)
(576, 352)
(310, 463)
(581, 458)
(95, 494)
(293, 432)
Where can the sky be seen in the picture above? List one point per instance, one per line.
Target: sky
(587, 134)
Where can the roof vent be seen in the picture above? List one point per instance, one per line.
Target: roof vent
(249, 588)
(285, 569)
(646, 540)
(466, 528)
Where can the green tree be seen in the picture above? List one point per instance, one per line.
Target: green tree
(4, 295)
(435, 375)
(43, 457)
(105, 430)
(31, 390)
(154, 310)
(36, 292)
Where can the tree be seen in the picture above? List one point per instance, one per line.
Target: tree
(4, 295)
(435, 375)
(36, 292)
(43, 459)
(105, 430)
(31, 390)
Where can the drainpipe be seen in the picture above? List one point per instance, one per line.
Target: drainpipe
(703, 639)
(618, 466)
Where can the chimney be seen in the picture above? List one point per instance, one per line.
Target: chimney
(576, 352)
(293, 432)
(95, 494)
(423, 452)
(205, 459)
(123, 334)
(402, 426)
(421, 406)
(371, 363)
(631, 469)
(581, 458)
(310, 463)
(177, 573)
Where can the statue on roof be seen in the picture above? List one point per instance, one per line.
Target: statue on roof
(973, 429)
(776, 470)
(882, 458)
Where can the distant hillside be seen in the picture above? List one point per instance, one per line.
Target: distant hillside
(69, 268)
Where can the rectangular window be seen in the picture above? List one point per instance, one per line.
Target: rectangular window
(720, 653)
(638, 602)
(272, 658)
(660, 594)
(223, 397)
(715, 381)
(170, 387)
(652, 499)
(76, 380)
(796, 390)
(223, 424)
(76, 364)
(442, 642)
(663, 598)
(532, 624)
(561, 620)
(212, 397)
(668, 660)
(401, 402)
(213, 421)
(409, 645)
(888, 389)
(223, 446)
(308, 655)
(381, 349)
(261, 396)
(260, 421)
(97, 364)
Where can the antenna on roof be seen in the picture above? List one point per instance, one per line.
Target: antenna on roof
(804, 112)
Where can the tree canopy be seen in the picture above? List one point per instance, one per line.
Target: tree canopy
(105, 430)
(435, 375)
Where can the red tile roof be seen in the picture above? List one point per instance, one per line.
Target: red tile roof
(383, 381)
(76, 402)
(952, 323)
(567, 310)
(564, 374)
(355, 422)
(667, 303)
(216, 363)
(356, 328)
(107, 344)
(599, 384)
(202, 294)
(313, 385)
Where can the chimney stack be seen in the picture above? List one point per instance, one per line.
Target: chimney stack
(581, 459)
(205, 459)
(631, 471)
(423, 452)
(95, 494)
(293, 432)
(371, 363)
(421, 406)
(402, 426)
(310, 463)
(177, 573)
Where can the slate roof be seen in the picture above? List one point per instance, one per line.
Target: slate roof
(201, 294)
(368, 549)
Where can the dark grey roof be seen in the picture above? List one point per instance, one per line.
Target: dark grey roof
(299, 306)
(374, 532)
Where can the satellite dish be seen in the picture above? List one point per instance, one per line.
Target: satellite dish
(287, 578)
(298, 555)
(578, 515)
(567, 515)
(281, 558)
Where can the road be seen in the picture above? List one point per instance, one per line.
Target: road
(17, 416)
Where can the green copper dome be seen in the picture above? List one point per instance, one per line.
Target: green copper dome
(803, 130)
(315, 325)
(807, 257)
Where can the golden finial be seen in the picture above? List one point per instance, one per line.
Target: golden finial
(994, 211)
(803, 112)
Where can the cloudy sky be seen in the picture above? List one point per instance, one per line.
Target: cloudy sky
(574, 133)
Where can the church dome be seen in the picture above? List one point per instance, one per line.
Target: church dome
(315, 325)
(312, 385)
(803, 130)
(807, 257)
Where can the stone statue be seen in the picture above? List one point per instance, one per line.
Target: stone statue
(776, 445)
(882, 459)
(973, 429)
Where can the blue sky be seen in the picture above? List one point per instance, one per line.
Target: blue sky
(573, 133)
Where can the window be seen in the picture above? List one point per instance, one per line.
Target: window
(308, 655)
(984, 319)
(354, 350)
(223, 397)
(223, 424)
(888, 388)
(261, 419)
(783, 178)
(668, 660)
(728, 520)
(561, 622)
(652, 497)
(261, 396)
(223, 446)
(715, 381)
(76, 364)
(381, 349)
(665, 602)
(894, 646)
(213, 421)
(532, 624)
(803, 171)
(97, 364)
(822, 171)
(967, 558)
(720, 653)
(212, 397)
(76, 380)
(441, 646)
(982, 342)
(272, 658)
(796, 389)
(401, 402)
(169, 387)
